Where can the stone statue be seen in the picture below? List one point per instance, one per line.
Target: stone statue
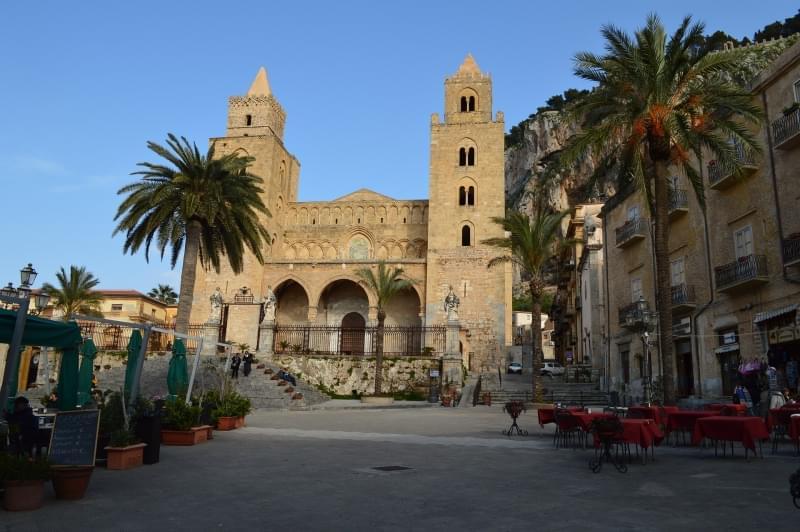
(270, 302)
(451, 303)
(216, 306)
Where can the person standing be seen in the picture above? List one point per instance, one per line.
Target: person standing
(236, 361)
(248, 362)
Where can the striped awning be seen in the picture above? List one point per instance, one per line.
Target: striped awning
(774, 313)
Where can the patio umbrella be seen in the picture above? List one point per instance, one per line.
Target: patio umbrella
(178, 375)
(88, 351)
(68, 379)
(134, 350)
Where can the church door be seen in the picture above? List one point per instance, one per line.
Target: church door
(352, 339)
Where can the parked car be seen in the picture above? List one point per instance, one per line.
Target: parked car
(551, 369)
(515, 367)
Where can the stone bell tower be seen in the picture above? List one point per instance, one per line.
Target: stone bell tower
(467, 190)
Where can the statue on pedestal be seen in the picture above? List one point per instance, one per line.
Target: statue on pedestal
(451, 303)
(270, 305)
(216, 306)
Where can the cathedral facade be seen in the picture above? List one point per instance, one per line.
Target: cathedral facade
(317, 247)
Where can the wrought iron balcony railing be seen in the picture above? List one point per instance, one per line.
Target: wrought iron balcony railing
(630, 231)
(682, 295)
(719, 174)
(678, 201)
(791, 249)
(786, 128)
(741, 271)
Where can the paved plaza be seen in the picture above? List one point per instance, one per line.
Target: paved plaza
(315, 471)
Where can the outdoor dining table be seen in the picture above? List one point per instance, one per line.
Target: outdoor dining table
(644, 433)
(772, 418)
(548, 415)
(739, 409)
(684, 420)
(794, 428)
(659, 414)
(744, 429)
(585, 418)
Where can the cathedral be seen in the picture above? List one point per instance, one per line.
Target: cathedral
(309, 280)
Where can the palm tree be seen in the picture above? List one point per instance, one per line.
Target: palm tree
(532, 245)
(660, 103)
(206, 206)
(385, 285)
(164, 293)
(75, 293)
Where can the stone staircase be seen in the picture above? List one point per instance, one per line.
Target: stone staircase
(258, 386)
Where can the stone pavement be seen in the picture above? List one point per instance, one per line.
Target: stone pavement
(313, 470)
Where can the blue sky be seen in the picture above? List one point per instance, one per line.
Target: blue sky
(83, 86)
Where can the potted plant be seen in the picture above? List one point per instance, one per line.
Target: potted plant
(124, 451)
(70, 482)
(23, 480)
(180, 424)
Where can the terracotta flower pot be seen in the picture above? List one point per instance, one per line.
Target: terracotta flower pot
(226, 423)
(192, 436)
(289, 389)
(297, 396)
(122, 458)
(282, 383)
(23, 495)
(268, 371)
(274, 378)
(70, 483)
(260, 366)
(240, 422)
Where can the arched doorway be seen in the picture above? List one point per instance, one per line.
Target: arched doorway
(352, 339)
(292, 303)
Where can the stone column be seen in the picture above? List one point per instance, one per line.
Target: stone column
(266, 336)
(452, 363)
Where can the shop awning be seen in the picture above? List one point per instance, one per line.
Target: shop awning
(774, 313)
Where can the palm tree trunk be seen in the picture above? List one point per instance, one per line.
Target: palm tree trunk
(191, 253)
(536, 340)
(379, 353)
(663, 280)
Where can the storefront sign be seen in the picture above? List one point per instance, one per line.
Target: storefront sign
(726, 349)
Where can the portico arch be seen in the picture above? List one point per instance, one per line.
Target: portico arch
(292, 302)
(340, 297)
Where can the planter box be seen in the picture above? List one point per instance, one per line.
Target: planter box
(192, 436)
(23, 495)
(70, 483)
(226, 423)
(122, 458)
(379, 401)
(240, 422)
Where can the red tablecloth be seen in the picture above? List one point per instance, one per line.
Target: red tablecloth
(738, 408)
(685, 419)
(772, 418)
(746, 430)
(794, 428)
(642, 432)
(548, 415)
(659, 414)
(585, 419)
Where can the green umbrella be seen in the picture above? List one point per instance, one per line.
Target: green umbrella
(178, 375)
(88, 351)
(134, 350)
(68, 379)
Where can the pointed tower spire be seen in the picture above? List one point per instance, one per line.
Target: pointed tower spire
(469, 66)
(260, 86)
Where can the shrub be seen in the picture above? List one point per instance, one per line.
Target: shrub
(21, 468)
(180, 416)
(122, 438)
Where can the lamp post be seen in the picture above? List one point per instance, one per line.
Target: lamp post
(646, 320)
(21, 297)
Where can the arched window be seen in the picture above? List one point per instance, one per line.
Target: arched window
(249, 120)
(472, 103)
(462, 196)
(466, 236)
(471, 157)
(463, 104)
(462, 157)
(470, 196)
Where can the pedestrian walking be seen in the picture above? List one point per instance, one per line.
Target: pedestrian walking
(248, 362)
(236, 361)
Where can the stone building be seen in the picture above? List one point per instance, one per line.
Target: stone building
(317, 247)
(735, 275)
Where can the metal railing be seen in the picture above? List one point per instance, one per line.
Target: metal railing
(107, 337)
(630, 229)
(717, 172)
(742, 269)
(786, 127)
(678, 199)
(791, 249)
(629, 314)
(682, 294)
(331, 340)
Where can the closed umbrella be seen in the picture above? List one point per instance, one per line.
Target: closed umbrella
(68, 379)
(178, 375)
(134, 350)
(88, 351)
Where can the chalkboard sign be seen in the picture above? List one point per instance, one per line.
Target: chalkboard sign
(74, 438)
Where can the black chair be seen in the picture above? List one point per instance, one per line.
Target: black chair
(568, 431)
(608, 432)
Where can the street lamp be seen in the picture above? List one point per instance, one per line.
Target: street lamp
(646, 319)
(42, 299)
(27, 275)
(8, 291)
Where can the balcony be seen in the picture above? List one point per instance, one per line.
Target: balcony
(577, 302)
(683, 299)
(722, 176)
(743, 273)
(786, 131)
(630, 232)
(678, 203)
(791, 250)
(629, 314)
